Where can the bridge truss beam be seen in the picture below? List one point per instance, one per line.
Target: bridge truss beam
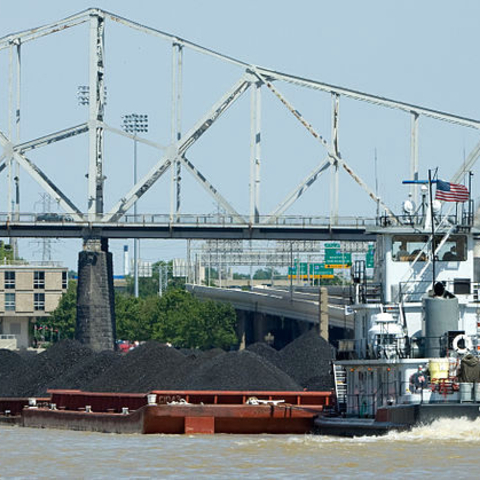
(174, 155)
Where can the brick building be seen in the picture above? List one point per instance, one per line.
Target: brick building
(28, 293)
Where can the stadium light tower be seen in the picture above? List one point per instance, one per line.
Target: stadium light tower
(83, 95)
(134, 123)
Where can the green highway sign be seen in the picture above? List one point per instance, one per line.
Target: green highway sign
(315, 269)
(369, 257)
(335, 256)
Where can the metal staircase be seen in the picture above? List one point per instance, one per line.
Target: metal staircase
(413, 278)
(340, 378)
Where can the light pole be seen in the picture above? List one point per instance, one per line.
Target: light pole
(134, 123)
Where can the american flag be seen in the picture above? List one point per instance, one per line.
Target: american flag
(451, 192)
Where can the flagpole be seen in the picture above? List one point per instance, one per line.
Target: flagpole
(470, 201)
(433, 226)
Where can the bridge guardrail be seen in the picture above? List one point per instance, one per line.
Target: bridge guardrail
(194, 219)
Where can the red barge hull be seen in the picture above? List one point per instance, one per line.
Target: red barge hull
(179, 412)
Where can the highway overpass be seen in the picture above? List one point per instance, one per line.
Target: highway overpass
(297, 305)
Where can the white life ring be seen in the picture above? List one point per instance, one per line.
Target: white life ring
(467, 342)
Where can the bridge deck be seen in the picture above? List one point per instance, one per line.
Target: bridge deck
(188, 226)
(298, 306)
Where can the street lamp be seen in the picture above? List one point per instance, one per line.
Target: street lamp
(135, 124)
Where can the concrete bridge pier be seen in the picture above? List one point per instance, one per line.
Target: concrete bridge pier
(242, 328)
(95, 296)
(255, 327)
(260, 327)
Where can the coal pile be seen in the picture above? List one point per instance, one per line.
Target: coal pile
(303, 364)
(213, 352)
(308, 361)
(34, 376)
(83, 374)
(10, 362)
(268, 353)
(144, 368)
(239, 371)
(204, 354)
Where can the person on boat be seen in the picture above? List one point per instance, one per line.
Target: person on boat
(469, 369)
(403, 253)
(417, 253)
(418, 380)
(451, 255)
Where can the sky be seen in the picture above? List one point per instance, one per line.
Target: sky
(423, 53)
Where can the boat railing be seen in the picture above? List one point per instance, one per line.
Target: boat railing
(365, 405)
(463, 219)
(354, 349)
(414, 291)
(366, 293)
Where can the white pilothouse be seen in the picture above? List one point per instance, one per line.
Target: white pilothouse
(417, 321)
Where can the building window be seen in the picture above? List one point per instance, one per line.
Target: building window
(9, 302)
(39, 301)
(64, 280)
(9, 280)
(38, 279)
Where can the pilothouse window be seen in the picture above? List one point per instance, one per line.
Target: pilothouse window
(407, 248)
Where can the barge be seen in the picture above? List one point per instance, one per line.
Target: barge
(172, 412)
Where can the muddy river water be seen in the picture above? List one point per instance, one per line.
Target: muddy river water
(447, 449)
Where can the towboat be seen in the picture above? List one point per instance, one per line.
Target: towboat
(414, 355)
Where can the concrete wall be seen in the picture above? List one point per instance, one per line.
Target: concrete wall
(53, 281)
(24, 280)
(51, 300)
(24, 302)
(18, 326)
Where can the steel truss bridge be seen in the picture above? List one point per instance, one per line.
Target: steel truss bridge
(92, 219)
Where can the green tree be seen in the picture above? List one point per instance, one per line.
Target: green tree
(6, 252)
(64, 317)
(240, 276)
(265, 274)
(220, 322)
(188, 322)
(127, 313)
(136, 317)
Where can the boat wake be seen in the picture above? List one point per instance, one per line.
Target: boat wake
(441, 430)
(456, 430)
(450, 429)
